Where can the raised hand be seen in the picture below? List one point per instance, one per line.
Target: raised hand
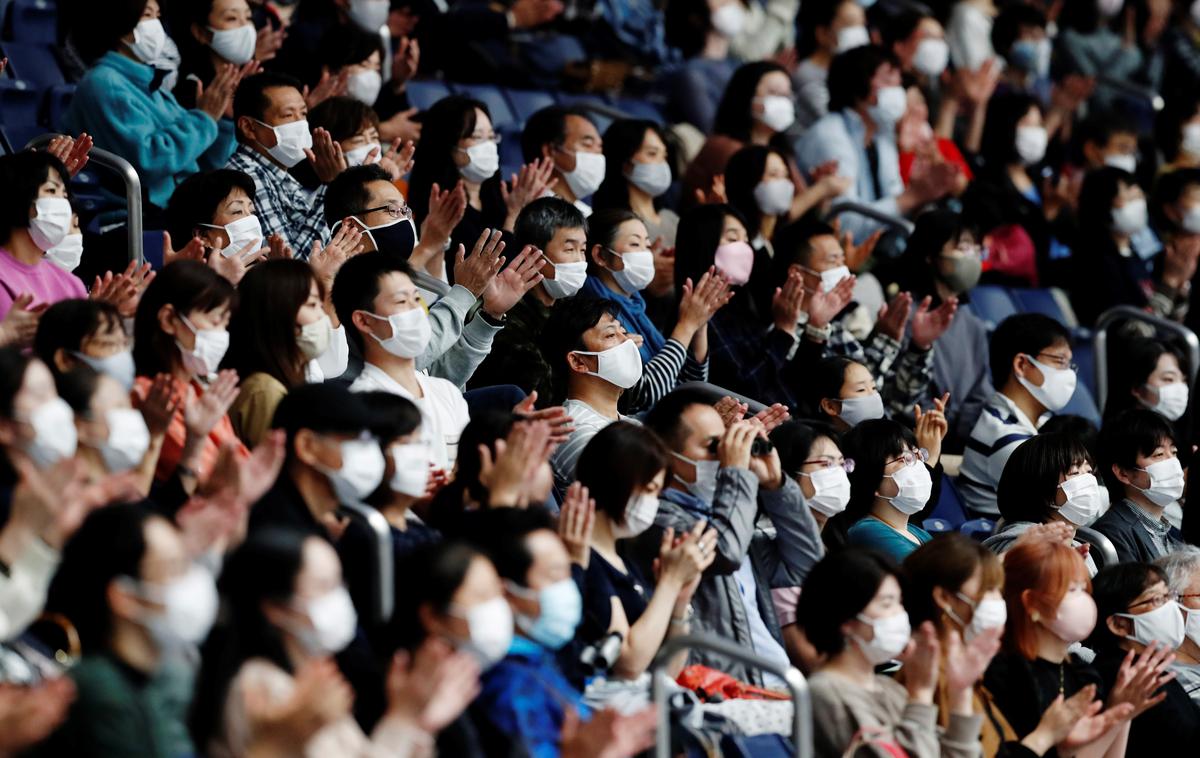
(72, 151)
(124, 290)
(268, 42)
(163, 401)
(697, 305)
(329, 86)
(506, 474)
(327, 260)
(20, 323)
(398, 158)
(432, 687)
(446, 209)
(857, 255)
(684, 560)
(192, 251)
(921, 663)
(53, 502)
(278, 249)
(525, 187)
(608, 734)
(731, 410)
(320, 696)
(733, 451)
(402, 126)
(233, 267)
(928, 325)
(930, 427)
(527, 14)
(561, 424)
(406, 61)
(894, 315)
(772, 416)
(202, 414)
(715, 193)
(1140, 677)
(217, 98)
(326, 156)
(511, 284)
(1179, 260)
(29, 714)
(663, 283)
(479, 271)
(1077, 721)
(788, 303)
(575, 521)
(824, 306)
(965, 662)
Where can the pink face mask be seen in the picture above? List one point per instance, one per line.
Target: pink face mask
(735, 260)
(1076, 616)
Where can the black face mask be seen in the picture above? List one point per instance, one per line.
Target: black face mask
(397, 238)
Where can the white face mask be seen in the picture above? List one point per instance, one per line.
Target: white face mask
(704, 488)
(890, 636)
(246, 230)
(1109, 8)
(639, 516)
(52, 223)
(1083, 499)
(620, 366)
(361, 472)
(206, 354)
(568, 279)
(778, 112)
(364, 86)
(411, 475)
(850, 37)
(291, 140)
(1166, 481)
(931, 57)
(651, 178)
(1164, 625)
(1058, 385)
(588, 174)
(1131, 217)
(370, 15)
(411, 332)
(149, 40)
(1172, 400)
(1191, 140)
(729, 20)
(491, 630)
(235, 45)
(1031, 144)
(189, 610)
(774, 197)
(314, 338)
(333, 623)
(914, 485)
(483, 161)
(128, 440)
(890, 105)
(831, 490)
(54, 437)
(67, 254)
(831, 277)
(1190, 220)
(119, 366)
(988, 614)
(855, 410)
(1123, 161)
(358, 156)
(638, 271)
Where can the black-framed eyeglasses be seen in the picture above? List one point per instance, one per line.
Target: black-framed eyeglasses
(396, 210)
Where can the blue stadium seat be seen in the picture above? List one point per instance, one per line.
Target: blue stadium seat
(936, 526)
(19, 103)
(152, 248)
(494, 99)
(978, 529)
(510, 153)
(950, 507)
(1083, 403)
(526, 102)
(32, 21)
(58, 99)
(1085, 359)
(424, 93)
(33, 62)
(1038, 301)
(992, 304)
(638, 108)
(19, 135)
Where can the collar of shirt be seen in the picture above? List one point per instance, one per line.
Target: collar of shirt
(263, 165)
(1160, 527)
(1004, 404)
(685, 500)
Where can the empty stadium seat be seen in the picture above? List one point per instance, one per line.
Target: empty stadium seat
(510, 153)
(58, 99)
(527, 102)
(978, 529)
(639, 108)
(494, 99)
(1083, 403)
(32, 21)
(949, 509)
(992, 304)
(424, 93)
(1038, 301)
(33, 62)
(19, 103)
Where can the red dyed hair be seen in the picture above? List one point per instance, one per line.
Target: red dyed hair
(1037, 576)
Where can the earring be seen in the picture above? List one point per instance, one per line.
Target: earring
(1035, 616)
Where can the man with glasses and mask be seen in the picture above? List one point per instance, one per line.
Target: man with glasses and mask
(1182, 567)
(1030, 356)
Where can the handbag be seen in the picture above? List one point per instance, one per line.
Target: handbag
(711, 685)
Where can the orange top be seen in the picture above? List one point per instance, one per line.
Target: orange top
(172, 449)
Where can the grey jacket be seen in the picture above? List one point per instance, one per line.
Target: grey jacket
(457, 345)
(779, 560)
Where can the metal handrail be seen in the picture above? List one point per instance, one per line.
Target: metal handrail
(719, 392)
(1152, 98)
(1102, 544)
(802, 726)
(133, 190)
(853, 206)
(385, 598)
(1128, 312)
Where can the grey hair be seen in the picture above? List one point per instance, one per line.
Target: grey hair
(1180, 566)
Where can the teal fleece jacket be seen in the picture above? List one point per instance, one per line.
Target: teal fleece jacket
(164, 141)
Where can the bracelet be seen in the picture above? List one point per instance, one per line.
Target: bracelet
(818, 333)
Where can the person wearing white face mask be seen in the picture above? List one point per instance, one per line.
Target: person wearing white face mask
(856, 398)
(113, 436)
(810, 454)
(376, 298)
(40, 182)
(826, 29)
(626, 506)
(891, 484)
(620, 266)
(101, 343)
(1149, 374)
(723, 478)
(1182, 569)
(124, 100)
(638, 176)
(68, 253)
(866, 103)
(212, 34)
(918, 41)
(854, 615)
(1138, 448)
(703, 33)
(570, 139)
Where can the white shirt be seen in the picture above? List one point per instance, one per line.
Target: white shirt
(332, 363)
(443, 411)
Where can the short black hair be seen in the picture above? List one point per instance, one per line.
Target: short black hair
(793, 244)
(449, 506)
(547, 127)
(837, 590)
(539, 221)
(341, 116)
(642, 454)
(442, 568)
(67, 323)
(324, 408)
(1022, 334)
(1114, 589)
(77, 387)
(393, 416)
(346, 45)
(622, 140)
(357, 285)
(21, 176)
(1137, 431)
(187, 286)
(825, 380)
(851, 72)
(196, 199)
(95, 28)
(901, 22)
(1007, 26)
(872, 444)
(500, 534)
(13, 365)
(793, 440)
(1168, 189)
(347, 195)
(734, 117)
(251, 98)
(569, 319)
(1134, 358)
(1099, 127)
(666, 417)
(1029, 483)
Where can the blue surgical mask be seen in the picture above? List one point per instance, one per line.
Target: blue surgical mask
(119, 366)
(561, 611)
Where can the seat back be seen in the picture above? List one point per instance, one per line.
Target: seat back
(526, 102)
(950, 508)
(34, 62)
(32, 21)
(494, 99)
(1103, 552)
(423, 93)
(382, 575)
(19, 103)
(992, 304)
(58, 99)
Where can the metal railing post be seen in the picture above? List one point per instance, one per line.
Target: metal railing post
(862, 209)
(385, 599)
(1130, 313)
(133, 190)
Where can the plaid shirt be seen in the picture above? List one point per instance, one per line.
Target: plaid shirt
(282, 204)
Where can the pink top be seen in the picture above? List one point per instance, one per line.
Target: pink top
(46, 282)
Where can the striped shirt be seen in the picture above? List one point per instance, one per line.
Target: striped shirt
(1000, 428)
(588, 421)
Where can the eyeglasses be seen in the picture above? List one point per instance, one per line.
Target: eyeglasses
(845, 463)
(397, 210)
(478, 138)
(910, 457)
(1059, 362)
(1157, 601)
